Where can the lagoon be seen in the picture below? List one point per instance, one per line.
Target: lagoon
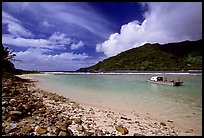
(132, 93)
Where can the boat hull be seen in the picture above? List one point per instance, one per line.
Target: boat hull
(170, 83)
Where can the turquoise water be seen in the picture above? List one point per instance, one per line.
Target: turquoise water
(134, 93)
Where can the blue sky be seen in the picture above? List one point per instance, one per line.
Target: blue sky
(64, 36)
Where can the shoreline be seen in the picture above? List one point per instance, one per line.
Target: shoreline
(149, 122)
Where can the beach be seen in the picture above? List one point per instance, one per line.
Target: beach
(53, 114)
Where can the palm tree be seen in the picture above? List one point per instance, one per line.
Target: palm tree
(6, 57)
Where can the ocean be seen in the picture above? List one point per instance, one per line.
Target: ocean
(131, 92)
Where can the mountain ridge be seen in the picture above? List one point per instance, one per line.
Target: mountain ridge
(185, 55)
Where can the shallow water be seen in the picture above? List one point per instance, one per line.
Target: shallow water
(133, 93)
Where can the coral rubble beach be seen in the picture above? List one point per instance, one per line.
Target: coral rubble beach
(27, 110)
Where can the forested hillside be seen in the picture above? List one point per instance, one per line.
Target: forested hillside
(185, 55)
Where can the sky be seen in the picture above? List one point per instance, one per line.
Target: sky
(66, 36)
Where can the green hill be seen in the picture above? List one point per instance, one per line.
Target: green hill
(185, 55)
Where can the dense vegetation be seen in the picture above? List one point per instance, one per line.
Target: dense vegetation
(7, 66)
(185, 55)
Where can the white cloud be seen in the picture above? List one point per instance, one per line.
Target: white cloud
(14, 26)
(56, 41)
(35, 58)
(77, 45)
(24, 42)
(164, 23)
(59, 39)
(46, 24)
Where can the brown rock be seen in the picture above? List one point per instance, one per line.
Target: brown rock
(121, 129)
(138, 134)
(40, 130)
(170, 121)
(98, 132)
(26, 129)
(78, 121)
(162, 123)
(20, 107)
(62, 125)
(28, 105)
(15, 115)
(124, 118)
(69, 132)
(69, 122)
(62, 133)
(89, 133)
(13, 102)
(107, 132)
(80, 128)
(54, 130)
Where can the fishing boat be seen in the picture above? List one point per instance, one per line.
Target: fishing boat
(163, 80)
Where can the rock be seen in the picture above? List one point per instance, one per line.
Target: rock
(98, 132)
(15, 115)
(78, 121)
(3, 109)
(121, 129)
(62, 126)
(162, 123)
(9, 108)
(69, 132)
(42, 110)
(107, 132)
(4, 103)
(89, 133)
(138, 134)
(28, 106)
(54, 130)
(62, 133)
(38, 105)
(170, 121)
(69, 122)
(13, 102)
(40, 130)
(80, 128)
(50, 134)
(11, 127)
(124, 118)
(20, 107)
(26, 129)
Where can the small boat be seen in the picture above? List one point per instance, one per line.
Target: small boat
(163, 80)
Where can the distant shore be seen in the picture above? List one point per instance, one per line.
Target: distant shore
(125, 72)
(107, 120)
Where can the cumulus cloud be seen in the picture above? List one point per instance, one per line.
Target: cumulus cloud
(77, 45)
(37, 59)
(164, 23)
(14, 26)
